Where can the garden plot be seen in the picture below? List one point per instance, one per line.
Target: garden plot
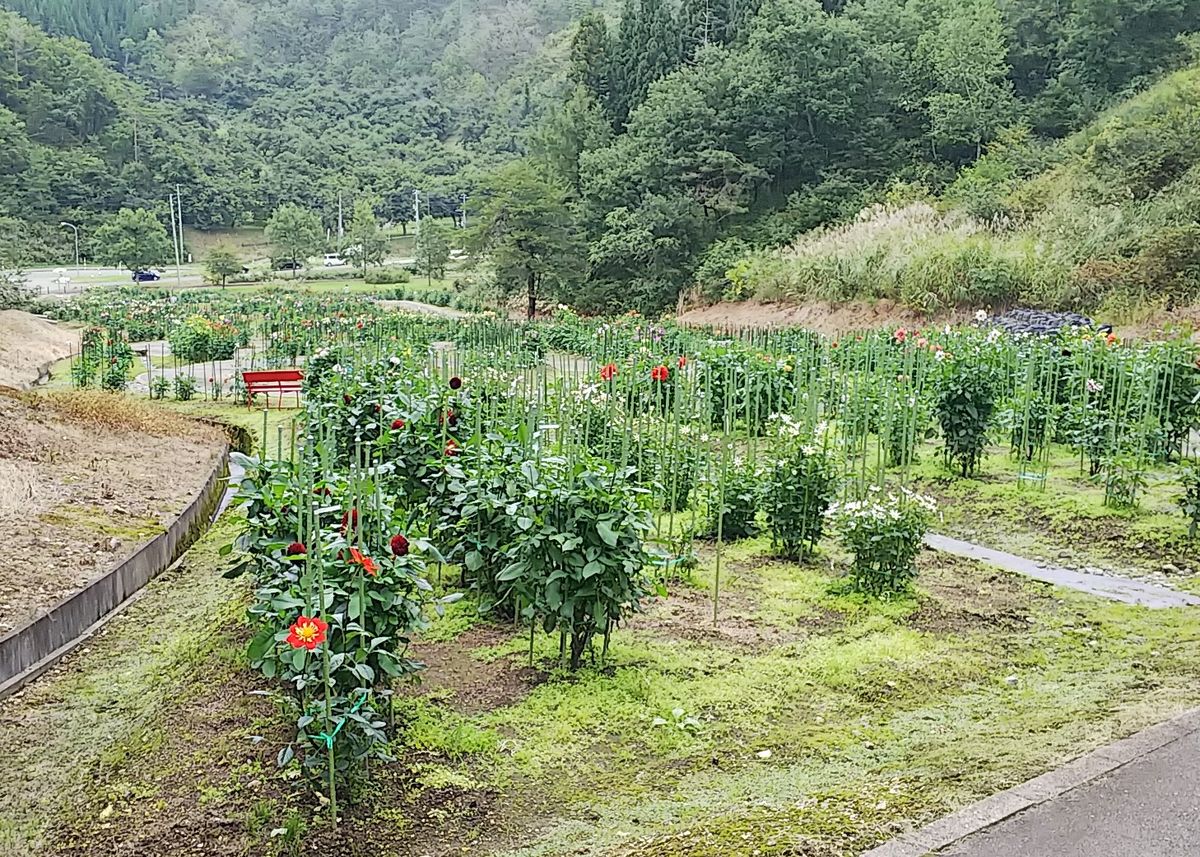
(83, 483)
(808, 721)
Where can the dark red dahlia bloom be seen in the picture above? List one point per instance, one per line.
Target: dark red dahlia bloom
(452, 447)
(455, 382)
(296, 549)
(399, 545)
(397, 424)
(346, 398)
(349, 520)
(660, 373)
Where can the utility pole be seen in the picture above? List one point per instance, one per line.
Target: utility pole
(417, 210)
(341, 223)
(174, 234)
(463, 199)
(66, 225)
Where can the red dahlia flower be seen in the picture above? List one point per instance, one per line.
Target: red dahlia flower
(349, 520)
(660, 373)
(399, 545)
(452, 447)
(682, 361)
(296, 549)
(455, 382)
(397, 424)
(346, 398)
(307, 633)
(608, 371)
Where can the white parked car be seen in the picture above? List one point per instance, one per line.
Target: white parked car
(333, 260)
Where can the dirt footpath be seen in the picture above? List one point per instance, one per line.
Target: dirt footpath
(85, 479)
(27, 344)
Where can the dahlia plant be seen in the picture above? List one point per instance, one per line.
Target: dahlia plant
(884, 532)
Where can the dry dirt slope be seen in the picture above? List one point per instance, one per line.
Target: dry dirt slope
(85, 479)
(27, 344)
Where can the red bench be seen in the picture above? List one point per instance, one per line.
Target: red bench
(279, 381)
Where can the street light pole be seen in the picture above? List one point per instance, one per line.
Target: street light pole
(65, 225)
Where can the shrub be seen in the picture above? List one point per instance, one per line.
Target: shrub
(735, 510)
(797, 495)
(387, 277)
(712, 272)
(198, 340)
(185, 387)
(966, 400)
(1189, 503)
(1124, 480)
(884, 533)
(577, 557)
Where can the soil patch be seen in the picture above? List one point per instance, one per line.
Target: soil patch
(78, 495)
(687, 614)
(27, 344)
(465, 683)
(196, 793)
(403, 815)
(964, 596)
(816, 315)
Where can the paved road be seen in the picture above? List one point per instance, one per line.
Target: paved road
(68, 281)
(1147, 808)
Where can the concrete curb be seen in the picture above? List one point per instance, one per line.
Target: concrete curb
(992, 810)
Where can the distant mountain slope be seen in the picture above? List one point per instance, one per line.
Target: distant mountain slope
(246, 104)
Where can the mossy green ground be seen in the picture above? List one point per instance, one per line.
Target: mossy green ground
(851, 720)
(807, 720)
(1065, 519)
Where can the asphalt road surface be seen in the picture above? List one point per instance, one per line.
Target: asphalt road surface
(1147, 808)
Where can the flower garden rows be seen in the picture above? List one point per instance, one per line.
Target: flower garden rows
(561, 471)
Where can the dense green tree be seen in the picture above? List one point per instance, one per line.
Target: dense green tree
(591, 58)
(648, 47)
(433, 248)
(133, 239)
(528, 233)
(562, 138)
(221, 264)
(368, 244)
(966, 54)
(295, 234)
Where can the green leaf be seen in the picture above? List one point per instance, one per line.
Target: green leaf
(606, 533)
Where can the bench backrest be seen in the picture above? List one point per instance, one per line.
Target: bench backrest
(272, 376)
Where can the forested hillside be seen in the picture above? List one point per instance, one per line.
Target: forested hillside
(774, 122)
(248, 104)
(669, 138)
(1108, 218)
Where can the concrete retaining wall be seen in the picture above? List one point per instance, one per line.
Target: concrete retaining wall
(31, 649)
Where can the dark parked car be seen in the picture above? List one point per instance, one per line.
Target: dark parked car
(288, 265)
(145, 276)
